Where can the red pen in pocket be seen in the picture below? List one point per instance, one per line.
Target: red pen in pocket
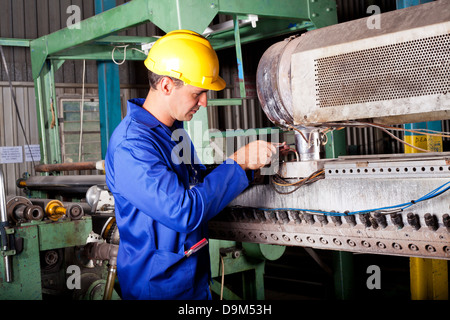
(196, 247)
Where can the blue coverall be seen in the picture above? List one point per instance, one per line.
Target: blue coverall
(159, 213)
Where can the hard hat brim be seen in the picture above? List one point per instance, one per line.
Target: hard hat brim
(217, 85)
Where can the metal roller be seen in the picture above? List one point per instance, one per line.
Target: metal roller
(22, 209)
(67, 184)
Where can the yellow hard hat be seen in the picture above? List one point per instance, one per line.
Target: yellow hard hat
(188, 56)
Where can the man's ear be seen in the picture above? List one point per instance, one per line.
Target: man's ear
(166, 85)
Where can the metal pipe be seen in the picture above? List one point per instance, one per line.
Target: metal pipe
(91, 165)
(73, 184)
(308, 149)
(105, 251)
(4, 224)
(109, 286)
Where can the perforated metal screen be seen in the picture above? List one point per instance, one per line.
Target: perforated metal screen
(408, 69)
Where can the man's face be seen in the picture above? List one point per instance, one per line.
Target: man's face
(186, 101)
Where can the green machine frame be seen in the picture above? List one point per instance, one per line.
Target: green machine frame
(95, 39)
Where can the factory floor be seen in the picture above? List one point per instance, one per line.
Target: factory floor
(297, 276)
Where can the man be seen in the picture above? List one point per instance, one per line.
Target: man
(162, 205)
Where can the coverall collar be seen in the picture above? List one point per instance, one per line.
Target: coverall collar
(136, 111)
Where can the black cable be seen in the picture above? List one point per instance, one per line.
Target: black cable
(15, 102)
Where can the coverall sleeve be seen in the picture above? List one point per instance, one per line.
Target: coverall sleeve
(143, 177)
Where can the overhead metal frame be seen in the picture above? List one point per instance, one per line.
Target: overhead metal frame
(95, 38)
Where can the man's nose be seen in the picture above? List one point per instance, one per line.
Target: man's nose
(203, 100)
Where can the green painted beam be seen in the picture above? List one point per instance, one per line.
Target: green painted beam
(14, 42)
(100, 52)
(319, 12)
(99, 26)
(174, 14)
(225, 102)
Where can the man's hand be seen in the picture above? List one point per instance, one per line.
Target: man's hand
(254, 155)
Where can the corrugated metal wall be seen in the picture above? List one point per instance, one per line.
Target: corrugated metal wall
(30, 19)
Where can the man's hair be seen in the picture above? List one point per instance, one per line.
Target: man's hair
(154, 79)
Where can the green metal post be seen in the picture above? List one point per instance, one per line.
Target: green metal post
(47, 110)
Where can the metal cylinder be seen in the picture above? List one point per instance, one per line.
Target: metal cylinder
(22, 209)
(263, 251)
(67, 184)
(308, 144)
(273, 82)
(109, 286)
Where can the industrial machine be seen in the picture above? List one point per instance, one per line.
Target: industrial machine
(349, 75)
(310, 86)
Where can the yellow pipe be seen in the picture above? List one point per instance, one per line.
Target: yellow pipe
(428, 277)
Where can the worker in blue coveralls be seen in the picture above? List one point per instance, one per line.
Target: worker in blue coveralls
(162, 204)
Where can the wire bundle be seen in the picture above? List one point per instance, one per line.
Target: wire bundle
(330, 126)
(384, 210)
(277, 180)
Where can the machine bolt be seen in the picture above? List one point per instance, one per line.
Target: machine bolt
(336, 220)
(308, 218)
(365, 219)
(413, 220)
(351, 220)
(446, 221)
(431, 221)
(323, 220)
(397, 220)
(381, 219)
